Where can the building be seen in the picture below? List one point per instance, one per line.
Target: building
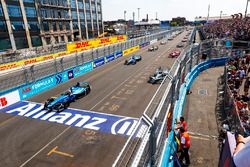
(32, 23)
(147, 24)
(178, 21)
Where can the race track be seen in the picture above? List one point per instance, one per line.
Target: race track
(118, 91)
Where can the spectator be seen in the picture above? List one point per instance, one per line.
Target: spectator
(236, 28)
(185, 145)
(182, 124)
(246, 86)
(242, 152)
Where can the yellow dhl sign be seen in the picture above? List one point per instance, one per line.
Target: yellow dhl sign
(130, 50)
(31, 61)
(94, 43)
(79, 46)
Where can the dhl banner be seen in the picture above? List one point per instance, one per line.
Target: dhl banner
(71, 49)
(130, 50)
(94, 43)
(31, 61)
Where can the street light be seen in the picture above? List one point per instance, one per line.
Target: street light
(220, 14)
(125, 14)
(246, 8)
(138, 14)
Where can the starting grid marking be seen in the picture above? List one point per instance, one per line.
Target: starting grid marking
(107, 123)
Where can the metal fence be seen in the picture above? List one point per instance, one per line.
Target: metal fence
(31, 74)
(14, 56)
(147, 149)
(23, 54)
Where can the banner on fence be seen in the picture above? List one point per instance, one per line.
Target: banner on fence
(130, 50)
(9, 99)
(94, 43)
(49, 82)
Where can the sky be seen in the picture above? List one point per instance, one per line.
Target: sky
(167, 9)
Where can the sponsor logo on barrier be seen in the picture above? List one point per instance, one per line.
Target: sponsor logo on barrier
(30, 61)
(3, 102)
(144, 45)
(70, 74)
(110, 58)
(9, 99)
(153, 41)
(94, 43)
(47, 83)
(59, 79)
(118, 54)
(26, 90)
(117, 125)
(82, 44)
(99, 62)
(105, 41)
(130, 50)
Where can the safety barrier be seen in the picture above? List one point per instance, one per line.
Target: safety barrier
(32, 73)
(28, 90)
(71, 48)
(157, 145)
(179, 105)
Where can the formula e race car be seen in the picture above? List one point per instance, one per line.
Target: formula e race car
(59, 103)
(153, 48)
(174, 54)
(132, 60)
(80, 89)
(63, 101)
(158, 76)
(180, 45)
(163, 42)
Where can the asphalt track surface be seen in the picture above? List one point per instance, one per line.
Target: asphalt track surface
(116, 89)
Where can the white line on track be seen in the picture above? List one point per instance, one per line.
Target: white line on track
(65, 130)
(45, 146)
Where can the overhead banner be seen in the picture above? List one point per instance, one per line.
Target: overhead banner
(94, 43)
(130, 50)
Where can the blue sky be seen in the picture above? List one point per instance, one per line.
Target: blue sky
(166, 9)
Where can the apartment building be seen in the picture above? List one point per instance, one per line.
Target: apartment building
(32, 23)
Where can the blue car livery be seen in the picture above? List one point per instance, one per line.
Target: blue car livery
(132, 60)
(80, 89)
(63, 101)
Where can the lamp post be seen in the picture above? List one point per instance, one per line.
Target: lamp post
(138, 14)
(125, 12)
(208, 12)
(246, 8)
(220, 14)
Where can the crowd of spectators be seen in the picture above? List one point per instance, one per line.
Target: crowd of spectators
(238, 81)
(237, 28)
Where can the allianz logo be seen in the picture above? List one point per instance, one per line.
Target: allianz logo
(113, 124)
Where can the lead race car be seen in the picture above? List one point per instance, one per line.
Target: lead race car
(132, 60)
(63, 101)
(158, 76)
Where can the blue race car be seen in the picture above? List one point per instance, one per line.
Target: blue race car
(80, 89)
(132, 60)
(62, 102)
(59, 103)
